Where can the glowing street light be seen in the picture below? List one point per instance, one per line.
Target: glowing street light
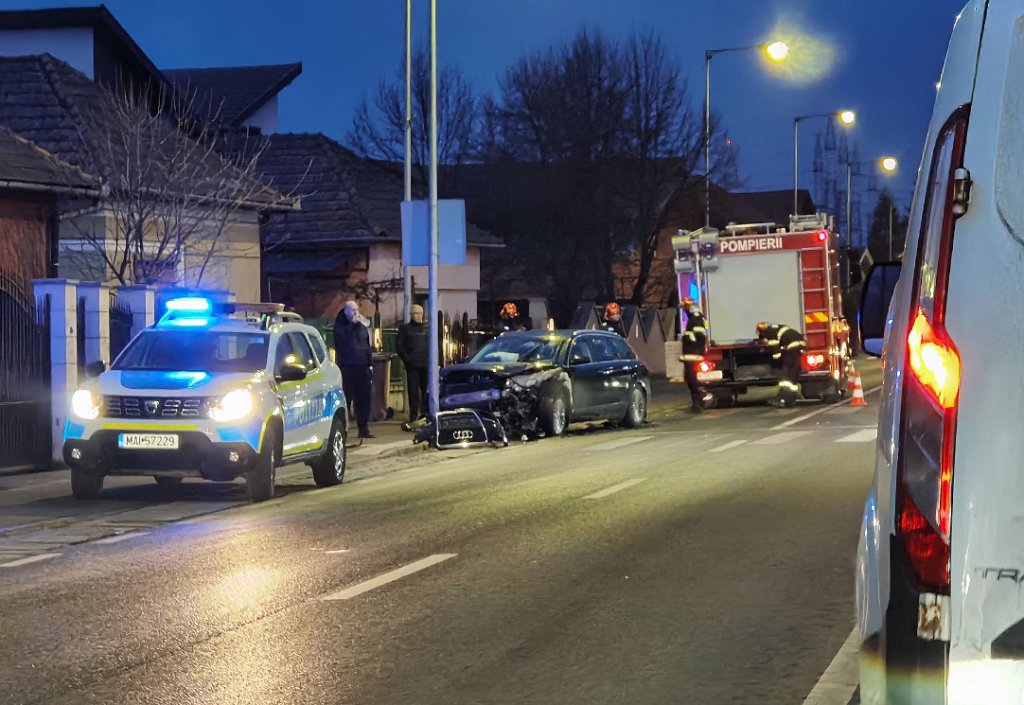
(889, 164)
(777, 52)
(846, 118)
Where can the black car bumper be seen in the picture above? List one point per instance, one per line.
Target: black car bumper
(196, 456)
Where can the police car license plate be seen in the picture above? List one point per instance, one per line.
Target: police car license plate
(147, 441)
(712, 376)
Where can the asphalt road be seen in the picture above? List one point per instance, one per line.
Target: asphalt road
(697, 560)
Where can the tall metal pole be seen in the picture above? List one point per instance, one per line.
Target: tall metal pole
(707, 138)
(433, 378)
(407, 292)
(849, 206)
(796, 166)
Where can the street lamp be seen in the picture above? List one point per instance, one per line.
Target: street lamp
(774, 51)
(889, 165)
(847, 118)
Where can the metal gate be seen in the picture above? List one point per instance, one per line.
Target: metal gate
(120, 326)
(25, 439)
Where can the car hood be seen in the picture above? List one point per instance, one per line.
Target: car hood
(500, 370)
(159, 383)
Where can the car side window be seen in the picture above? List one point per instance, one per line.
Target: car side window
(622, 349)
(580, 353)
(284, 354)
(319, 349)
(303, 352)
(602, 349)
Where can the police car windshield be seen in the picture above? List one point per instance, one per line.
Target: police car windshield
(517, 348)
(207, 351)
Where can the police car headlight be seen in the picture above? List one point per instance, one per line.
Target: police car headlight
(85, 404)
(235, 406)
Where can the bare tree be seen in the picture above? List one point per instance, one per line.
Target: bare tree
(172, 196)
(609, 131)
(378, 130)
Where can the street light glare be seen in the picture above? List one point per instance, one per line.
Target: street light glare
(890, 164)
(847, 117)
(777, 51)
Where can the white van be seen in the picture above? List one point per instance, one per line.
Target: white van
(940, 575)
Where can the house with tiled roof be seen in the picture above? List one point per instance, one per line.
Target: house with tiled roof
(346, 241)
(82, 122)
(235, 97)
(32, 183)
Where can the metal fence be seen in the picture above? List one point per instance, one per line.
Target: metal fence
(120, 326)
(25, 439)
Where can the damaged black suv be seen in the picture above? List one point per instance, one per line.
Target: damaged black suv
(538, 382)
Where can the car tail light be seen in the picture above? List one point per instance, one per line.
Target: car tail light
(931, 390)
(706, 366)
(813, 361)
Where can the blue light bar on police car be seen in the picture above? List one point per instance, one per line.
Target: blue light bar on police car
(192, 304)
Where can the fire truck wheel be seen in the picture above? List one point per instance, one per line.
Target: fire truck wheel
(725, 400)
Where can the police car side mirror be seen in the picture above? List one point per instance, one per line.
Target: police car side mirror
(873, 316)
(95, 369)
(291, 373)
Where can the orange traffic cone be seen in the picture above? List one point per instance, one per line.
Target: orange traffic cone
(851, 381)
(858, 392)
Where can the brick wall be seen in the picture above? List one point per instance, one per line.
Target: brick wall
(23, 238)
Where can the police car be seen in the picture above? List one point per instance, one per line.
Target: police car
(212, 390)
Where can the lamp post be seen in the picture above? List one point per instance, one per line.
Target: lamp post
(847, 118)
(888, 165)
(775, 51)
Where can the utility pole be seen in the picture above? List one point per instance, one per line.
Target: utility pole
(407, 276)
(433, 378)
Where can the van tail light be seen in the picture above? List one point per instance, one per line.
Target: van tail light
(813, 361)
(931, 388)
(705, 366)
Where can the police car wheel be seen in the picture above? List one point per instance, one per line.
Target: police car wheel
(260, 481)
(636, 411)
(85, 485)
(167, 483)
(330, 469)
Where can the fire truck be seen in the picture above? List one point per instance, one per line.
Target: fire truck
(759, 272)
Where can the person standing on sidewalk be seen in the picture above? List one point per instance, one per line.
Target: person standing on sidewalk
(355, 358)
(413, 347)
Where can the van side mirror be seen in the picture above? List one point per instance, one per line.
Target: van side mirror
(95, 369)
(874, 305)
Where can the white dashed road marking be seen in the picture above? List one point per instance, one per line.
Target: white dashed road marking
(618, 443)
(29, 559)
(121, 537)
(780, 438)
(728, 446)
(868, 434)
(800, 419)
(390, 577)
(339, 550)
(837, 683)
(615, 488)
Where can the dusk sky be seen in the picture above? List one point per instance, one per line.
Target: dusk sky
(888, 57)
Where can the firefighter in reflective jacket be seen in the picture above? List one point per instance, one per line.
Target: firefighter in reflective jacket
(787, 346)
(695, 339)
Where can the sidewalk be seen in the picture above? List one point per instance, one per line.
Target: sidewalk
(390, 441)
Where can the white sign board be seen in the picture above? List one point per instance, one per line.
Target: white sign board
(745, 290)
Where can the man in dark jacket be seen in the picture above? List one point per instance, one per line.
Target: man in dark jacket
(786, 345)
(695, 343)
(413, 346)
(355, 358)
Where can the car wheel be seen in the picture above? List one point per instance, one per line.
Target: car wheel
(330, 469)
(260, 481)
(554, 415)
(85, 484)
(636, 412)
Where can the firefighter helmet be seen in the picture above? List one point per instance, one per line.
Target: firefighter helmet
(509, 310)
(612, 309)
(687, 303)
